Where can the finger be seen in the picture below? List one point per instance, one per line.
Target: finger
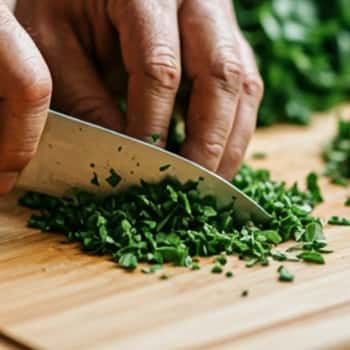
(79, 90)
(215, 69)
(150, 46)
(25, 90)
(245, 120)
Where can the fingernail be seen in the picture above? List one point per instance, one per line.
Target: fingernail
(7, 181)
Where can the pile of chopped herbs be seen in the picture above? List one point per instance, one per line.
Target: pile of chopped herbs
(170, 222)
(303, 49)
(337, 155)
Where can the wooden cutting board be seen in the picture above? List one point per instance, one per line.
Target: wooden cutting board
(54, 297)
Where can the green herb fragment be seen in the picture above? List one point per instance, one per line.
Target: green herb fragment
(251, 262)
(337, 155)
(152, 269)
(312, 257)
(113, 179)
(221, 259)
(347, 202)
(259, 155)
(284, 274)
(164, 277)
(164, 167)
(336, 220)
(244, 293)
(279, 256)
(339, 180)
(229, 274)
(154, 138)
(195, 266)
(94, 180)
(216, 269)
(128, 261)
(313, 187)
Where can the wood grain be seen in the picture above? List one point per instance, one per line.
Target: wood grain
(54, 297)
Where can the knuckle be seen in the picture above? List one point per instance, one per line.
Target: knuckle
(35, 89)
(212, 149)
(162, 66)
(235, 156)
(254, 86)
(227, 69)
(86, 107)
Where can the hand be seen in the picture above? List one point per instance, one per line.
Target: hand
(25, 89)
(95, 48)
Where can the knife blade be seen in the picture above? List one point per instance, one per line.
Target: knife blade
(71, 151)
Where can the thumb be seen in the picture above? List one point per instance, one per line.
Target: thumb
(25, 90)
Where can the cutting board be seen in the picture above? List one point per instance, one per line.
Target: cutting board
(54, 297)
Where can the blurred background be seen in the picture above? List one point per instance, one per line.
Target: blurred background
(303, 52)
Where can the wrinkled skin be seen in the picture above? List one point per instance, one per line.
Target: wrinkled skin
(25, 90)
(97, 49)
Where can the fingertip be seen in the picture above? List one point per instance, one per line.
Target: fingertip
(206, 154)
(7, 181)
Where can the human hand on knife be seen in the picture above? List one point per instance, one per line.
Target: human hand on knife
(25, 89)
(86, 43)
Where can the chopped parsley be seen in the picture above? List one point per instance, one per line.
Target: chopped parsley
(154, 138)
(337, 155)
(259, 155)
(164, 167)
(94, 180)
(284, 274)
(171, 222)
(216, 269)
(244, 293)
(336, 220)
(229, 274)
(114, 178)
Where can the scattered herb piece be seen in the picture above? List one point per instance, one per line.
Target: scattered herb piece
(336, 220)
(154, 138)
(128, 261)
(195, 266)
(259, 155)
(164, 167)
(284, 274)
(216, 269)
(244, 293)
(313, 187)
(94, 180)
(347, 202)
(337, 155)
(221, 259)
(251, 262)
(229, 274)
(113, 179)
(312, 257)
(279, 256)
(164, 277)
(152, 269)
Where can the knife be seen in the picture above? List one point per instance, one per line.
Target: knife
(71, 151)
